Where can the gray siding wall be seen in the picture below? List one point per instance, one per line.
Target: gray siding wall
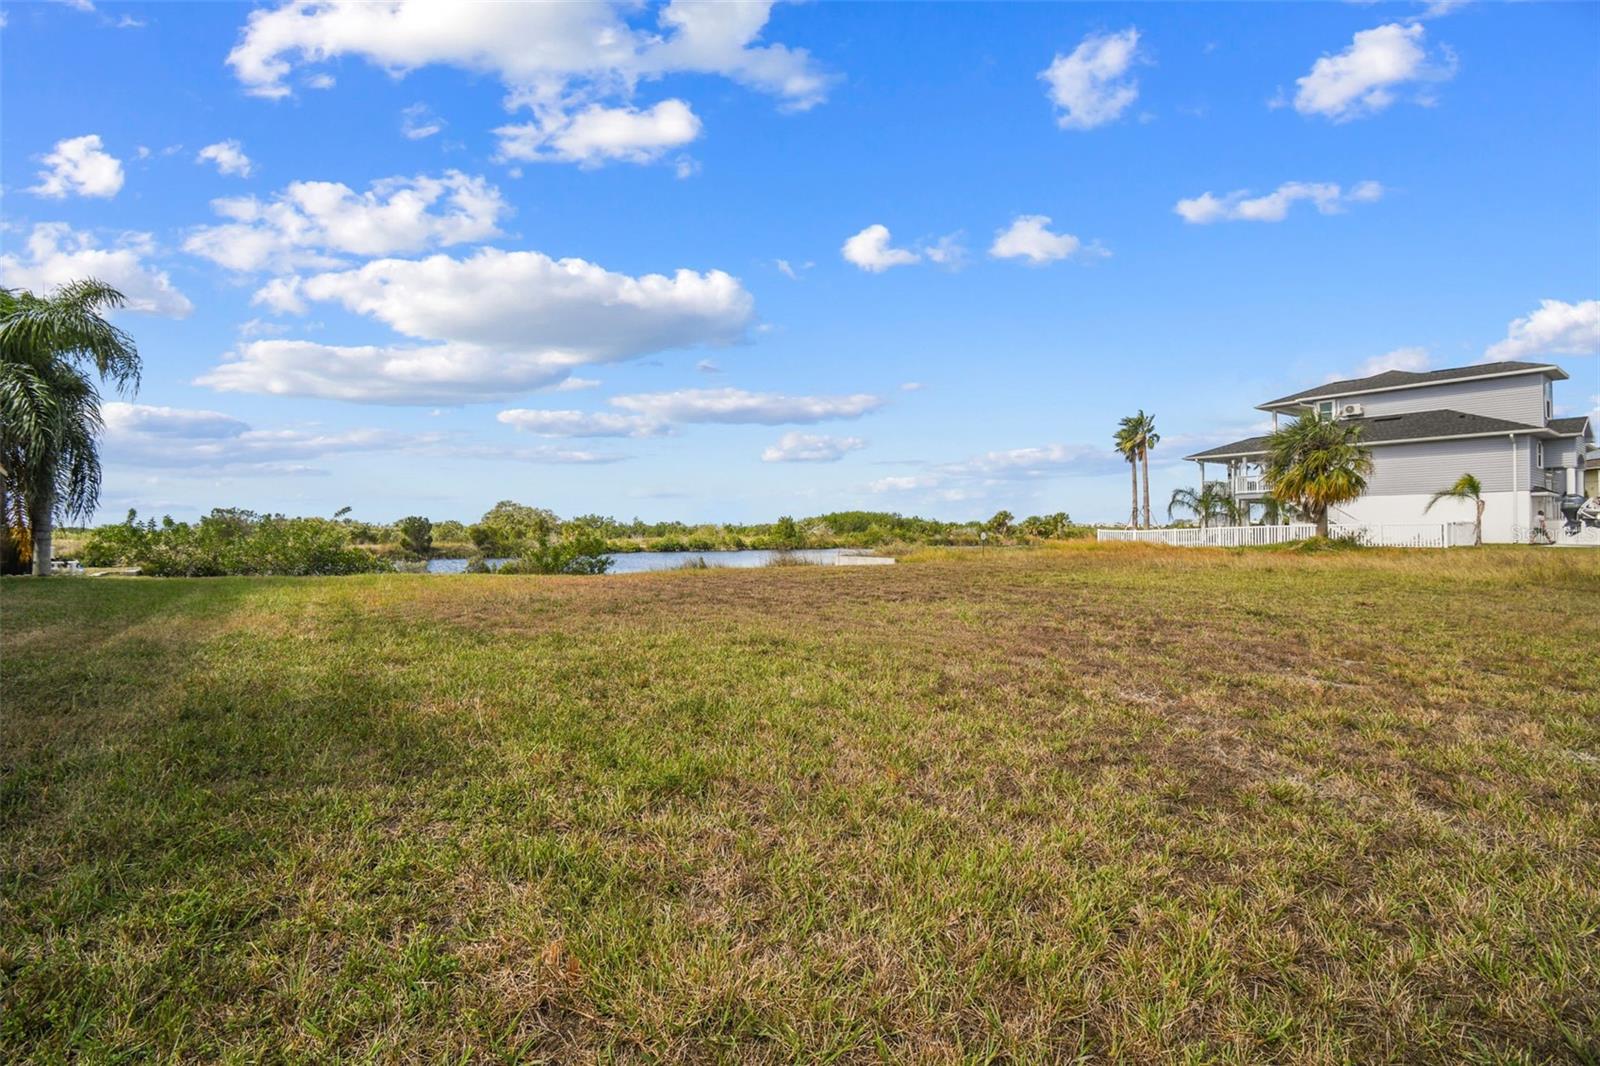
(1563, 451)
(1519, 399)
(1535, 469)
(1401, 469)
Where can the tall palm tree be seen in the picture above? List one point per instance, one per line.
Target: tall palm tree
(1466, 487)
(1127, 444)
(56, 470)
(1316, 463)
(1148, 438)
(49, 408)
(1212, 501)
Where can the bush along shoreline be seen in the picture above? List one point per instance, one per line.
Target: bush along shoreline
(534, 540)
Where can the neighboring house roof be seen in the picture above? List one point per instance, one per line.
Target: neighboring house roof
(1393, 429)
(1405, 379)
(1570, 427)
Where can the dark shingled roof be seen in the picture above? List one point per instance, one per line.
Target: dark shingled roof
(1390, 379)
(1388, 428)
(1569, 425)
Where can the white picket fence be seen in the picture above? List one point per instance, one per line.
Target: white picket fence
(1418, 535)
(1213, 536)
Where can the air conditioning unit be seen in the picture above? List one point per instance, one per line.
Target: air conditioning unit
(1351, 410)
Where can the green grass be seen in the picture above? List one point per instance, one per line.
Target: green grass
(1136, 804)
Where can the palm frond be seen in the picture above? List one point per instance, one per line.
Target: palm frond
(70, 324)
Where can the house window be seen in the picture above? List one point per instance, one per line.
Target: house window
(1325, 409)
(1540, 453)
(1549, 401)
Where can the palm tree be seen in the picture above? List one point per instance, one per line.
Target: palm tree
(1274, 511)
(1316, 463)
(1211, 502)
(1128, 447)
(50, 410)
(57, 468)
(1466, 487)
(1148, 438)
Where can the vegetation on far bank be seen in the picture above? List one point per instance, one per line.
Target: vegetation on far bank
(1093, 802)
(536, 540)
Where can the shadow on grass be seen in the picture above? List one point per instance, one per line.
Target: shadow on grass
(178, 791)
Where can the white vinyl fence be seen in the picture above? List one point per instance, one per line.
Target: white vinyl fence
(1420, 535)
(1408, 535)
(1213, 536)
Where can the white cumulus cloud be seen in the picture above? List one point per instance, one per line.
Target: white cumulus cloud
(575, 66)
(210, 441)
(1410, 359)
(57, 254)
(1092, 86)
(978, 475)
(1554, 328)
(79, 166)
(568, 307)
(580, 423)
(207, 443)
(810, 448)
(488, 326)
(736, 406)
(228, 157)
(596, 134)
(1367, 77)
(1042, 461)
(1029, 237)
(316, 223)
(657, 413)
(870, 250)
(1240, 206)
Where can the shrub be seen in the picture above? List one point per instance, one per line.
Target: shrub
(229, 541)
(416, 535)
(786, 534)
(507, 526)
(581, 551)
(114, 545)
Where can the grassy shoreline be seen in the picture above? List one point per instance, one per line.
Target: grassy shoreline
(1121, 803)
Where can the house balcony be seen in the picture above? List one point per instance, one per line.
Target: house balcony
(1243, 486)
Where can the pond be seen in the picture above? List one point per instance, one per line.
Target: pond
(639, 562)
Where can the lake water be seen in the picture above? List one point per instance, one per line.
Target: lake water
(639, 562)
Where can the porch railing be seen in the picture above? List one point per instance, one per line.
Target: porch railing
(1242, 484)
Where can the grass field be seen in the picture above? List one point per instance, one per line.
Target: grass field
(1125, 804)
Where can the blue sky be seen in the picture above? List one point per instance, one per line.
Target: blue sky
(634, 260)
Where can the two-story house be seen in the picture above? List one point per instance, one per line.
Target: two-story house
(1425, 429)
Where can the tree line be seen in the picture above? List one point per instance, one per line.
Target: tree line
(519, 538)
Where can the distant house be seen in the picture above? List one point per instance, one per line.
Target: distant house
(1495, 421)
